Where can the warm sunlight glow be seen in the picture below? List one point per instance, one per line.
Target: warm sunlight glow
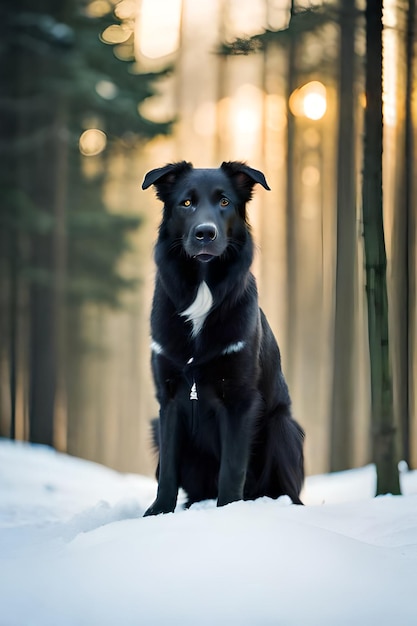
(159, 27)
(246, 118)
(314, 106)
(205, 119)
(246, 109)
(309, 100)
(92, 142)
(244, 18)
(390, 80)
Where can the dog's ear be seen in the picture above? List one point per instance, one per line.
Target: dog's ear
(164, 177)
(244, 177)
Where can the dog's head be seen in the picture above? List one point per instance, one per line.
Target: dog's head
(204, 209)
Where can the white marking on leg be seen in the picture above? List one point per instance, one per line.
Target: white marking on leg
(193, 392)
(234, 347)
(199, 309)
(156, 347)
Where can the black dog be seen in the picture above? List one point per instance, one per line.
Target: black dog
(225, 429)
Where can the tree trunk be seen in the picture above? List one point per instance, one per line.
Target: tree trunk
(47, 178)
(42, 328)
(344, 325)
(13, 313)
(409, 234)
(291, 248)
(382, 410)
(60, 274)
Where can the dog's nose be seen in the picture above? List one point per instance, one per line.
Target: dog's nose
(205, 232)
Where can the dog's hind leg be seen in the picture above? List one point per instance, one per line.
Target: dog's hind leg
(282, 453)
(288, 455)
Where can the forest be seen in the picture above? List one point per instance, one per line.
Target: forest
(321, 96)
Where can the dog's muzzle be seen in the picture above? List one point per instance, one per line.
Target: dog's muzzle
(204, 242)
(205, 233)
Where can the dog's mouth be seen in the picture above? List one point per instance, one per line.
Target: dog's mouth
(204, 257)
(203, 252)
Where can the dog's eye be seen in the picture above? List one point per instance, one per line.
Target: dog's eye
(186, 203)
(224, 202)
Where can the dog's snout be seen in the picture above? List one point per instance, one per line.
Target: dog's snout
(205, 232)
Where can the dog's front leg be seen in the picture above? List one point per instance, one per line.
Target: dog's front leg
(235, 438)
(169, 443)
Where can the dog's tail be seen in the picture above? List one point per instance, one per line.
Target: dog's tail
(284, 470)
(155, 434)
(155, 441)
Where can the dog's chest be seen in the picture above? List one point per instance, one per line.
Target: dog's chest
(188, 353)
(199, 309)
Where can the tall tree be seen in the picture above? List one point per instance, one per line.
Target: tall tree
(57, 79)
(290, 207)
(344, 331)
(409, 238)
(382, 407)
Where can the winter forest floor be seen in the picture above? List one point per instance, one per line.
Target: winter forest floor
(74, 551)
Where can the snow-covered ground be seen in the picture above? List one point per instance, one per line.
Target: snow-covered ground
(75, 551)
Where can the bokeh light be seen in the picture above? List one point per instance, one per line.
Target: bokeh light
(246, 113)
(310, 176)
(116, 33)
(106, 89)
(98, 8)
(309, 101)
(126, 10)
(92, 142)
(159, 27)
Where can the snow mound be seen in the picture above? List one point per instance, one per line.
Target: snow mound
(74, 550)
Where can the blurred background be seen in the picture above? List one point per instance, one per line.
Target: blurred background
(93, 94)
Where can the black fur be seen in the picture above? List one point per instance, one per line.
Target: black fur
(238, 440)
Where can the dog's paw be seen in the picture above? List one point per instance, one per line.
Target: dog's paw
(157, 508)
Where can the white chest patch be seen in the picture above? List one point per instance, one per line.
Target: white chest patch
(199, 309)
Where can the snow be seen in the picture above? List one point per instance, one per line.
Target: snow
(75, 551)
